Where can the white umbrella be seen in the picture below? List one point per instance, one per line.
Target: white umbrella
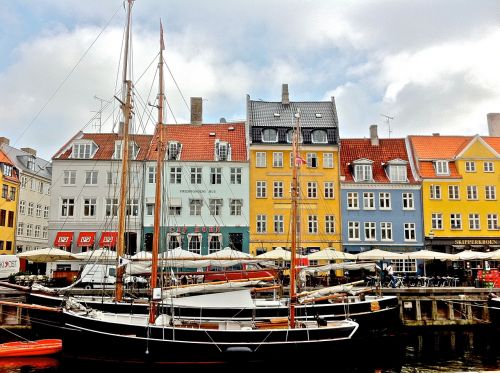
(99, 254)
(330, 254)
(377, 254)
(180, 258)
(495, 255)
(48, 254)
(227, 257)
(430, 255)
(277, 254)
(471, 255)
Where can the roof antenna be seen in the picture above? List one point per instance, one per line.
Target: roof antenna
(98, 116)
(388, 119)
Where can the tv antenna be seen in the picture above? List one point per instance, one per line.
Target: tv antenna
(388, 119)
(98, 124)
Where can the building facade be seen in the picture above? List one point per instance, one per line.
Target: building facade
(33, 205)
(271, 125)
(381, 198)
(8, 204)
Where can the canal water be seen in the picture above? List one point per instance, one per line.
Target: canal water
(420, 350)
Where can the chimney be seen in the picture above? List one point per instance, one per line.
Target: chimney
(435, 134)
(493, 124)
(285, 99)
(196, 110)
(4, 141)
(373, 135)
(29, 151)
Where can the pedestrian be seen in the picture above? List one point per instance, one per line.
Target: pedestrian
(390, 273)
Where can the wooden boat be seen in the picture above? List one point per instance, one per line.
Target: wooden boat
(31, 348)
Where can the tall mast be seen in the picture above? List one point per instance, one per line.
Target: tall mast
(293, 262)
(159, 166)
(126, 106)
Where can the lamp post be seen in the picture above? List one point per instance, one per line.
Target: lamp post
(431, 237)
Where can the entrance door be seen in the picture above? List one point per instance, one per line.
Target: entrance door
(236, 241)
(130, 243)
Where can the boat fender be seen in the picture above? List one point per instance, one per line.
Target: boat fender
(375, 306)
(238, 350)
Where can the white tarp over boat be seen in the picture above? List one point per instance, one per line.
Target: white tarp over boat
(323, 292)
(214, 286)
(372, 267)
(231, 299)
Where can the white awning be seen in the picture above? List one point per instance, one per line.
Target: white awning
(174, 202)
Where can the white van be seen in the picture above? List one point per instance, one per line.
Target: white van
(102, 276)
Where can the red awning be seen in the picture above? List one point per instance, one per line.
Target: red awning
(86, 239)
(63, 239)
(108, 239)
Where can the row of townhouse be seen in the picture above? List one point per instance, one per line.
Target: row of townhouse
(229, 184)
(25, 199)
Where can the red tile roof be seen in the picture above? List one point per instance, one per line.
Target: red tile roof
(387, 150)
(494, 142)
(106, 145)
(4, 158)
(199, 145)
(438, 147)
(427, 170)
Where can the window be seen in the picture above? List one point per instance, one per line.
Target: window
(151, 175)
(409, 230)
(352, 201)
(279, 226)
(40, 187)
(20, 229)
(353, 230)
(441, 168)
(261, 223)
(235, 175)
(12, 193)
(488, 167)
(10, 222)
(46, 212)
(38, 210)
(437, 220)
(368, 201)
(474, 223)
(112, 177)
(408, 203)
(44, 232)
(490, 192)
(24, 182)
(269, 135)
(175, 175)
(327, 160)
(456, 221)
(195, 206)
(397, 173)
(330, 224)
(132, 207)
(31, 206)
(384, 200)
(319, 137)
(312, 160)
(22, 207)
(278, 189)
(223, 151)
(215, 175)
(195, 175)
(312, 189)
(37, 231)
(312, 223)
(278, 159)
(3, 214)
(215, 206)
(435, 191)
(405, 265)
(82, 151)
(289, 137)
(472, 192)
(470, 166)
(91, 177)
(453, 192)
(328, 190)
(150, 209)
(235, 207)
(29, 230)
(69, 178)
(111, 206)
(260, 159)
(67, 207)
(492, 222)
(297, 191)
(173, 150)
(214, 242)
(363, 172)
(174, 210)
(370, 233)
(261, 189)
(386, 231)
(33, 184)
(194, 243)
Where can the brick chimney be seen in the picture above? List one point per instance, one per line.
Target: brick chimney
(196, 110)
(285, 98)
(4, 141)
(29, 151)
(493, 124)
(374, 135)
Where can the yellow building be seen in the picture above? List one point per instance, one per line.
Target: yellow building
(271, 125)
(8, 204)
(460, 186)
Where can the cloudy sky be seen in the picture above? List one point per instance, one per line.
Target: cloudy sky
(432, 65)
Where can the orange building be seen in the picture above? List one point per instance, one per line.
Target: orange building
(8, 204)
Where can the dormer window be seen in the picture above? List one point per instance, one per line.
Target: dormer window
(222, 151)
(289, 137)
(269, 135)
(174, 150)
(30, 164)
(441, 168)
(133, 150)
(7, 170)
(363, 170)
(397, 171)
(319, 137)
(83, 150)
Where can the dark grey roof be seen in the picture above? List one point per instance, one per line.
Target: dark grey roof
(20, 158)
(262, 114)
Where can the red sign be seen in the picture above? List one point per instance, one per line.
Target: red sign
(108, 239)
(63, 239)
(86, 239)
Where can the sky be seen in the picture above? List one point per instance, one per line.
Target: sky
(431, 65)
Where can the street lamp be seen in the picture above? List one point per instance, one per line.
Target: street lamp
(431, 237)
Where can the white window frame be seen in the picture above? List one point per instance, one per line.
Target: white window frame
(408, 201)
(328, 160)
(278, 189)
(353, 232)
(398, 173)
(261, 226)
(370, 230)
(470, 166)
(441, 167)
(175, 175)
(215, 206)
(67, 207)
(493, 222)
(312, 224)
(312, 160)
(410, 232)
(368, 201)
(386, 231)
(279, 224)
(488, 166)
(330, 224)
(89, 207)
(454, 192)
(69, 177)
(260, 159)
(111, 207)
(472, 193)
(278, 159)
(437, 221)
(91, 177)
(456, 221)
(352, 201)
(322, 140)
(329, 190)
(195, 242)
(235, 175)
(312, 189)
(151, 175)
(363, 172)
(474, 221)
(196, 175)
(261, 189)
(195, 206)
(490, 192)
(435, 191)
(267, 135)
(384, 201)
(235, 206)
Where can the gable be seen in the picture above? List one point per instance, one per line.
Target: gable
(478, 149)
